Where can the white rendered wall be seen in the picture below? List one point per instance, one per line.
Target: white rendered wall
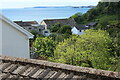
(80, 33)
(14, 42)
(75, 31)
(0, 36)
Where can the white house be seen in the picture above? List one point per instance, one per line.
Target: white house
(79, 29)
(76, 31)
(14, 40)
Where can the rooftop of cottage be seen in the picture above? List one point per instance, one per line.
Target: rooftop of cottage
(26, 23)
(12, 67)
(51, 22)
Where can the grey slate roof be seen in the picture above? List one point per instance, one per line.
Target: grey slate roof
(82, 27)
(16, 68)
(51, 22)
(25, 23)
(92, 24)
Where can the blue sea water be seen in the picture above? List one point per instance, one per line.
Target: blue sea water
(38, 14)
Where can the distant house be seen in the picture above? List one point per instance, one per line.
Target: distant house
(92, 24)
(50, 22)
(14, 40)
(79, 29)
(31, 26)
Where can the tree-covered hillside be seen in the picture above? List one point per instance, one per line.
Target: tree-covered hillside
(102, 9)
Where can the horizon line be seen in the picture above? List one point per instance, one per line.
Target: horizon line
(48, 6)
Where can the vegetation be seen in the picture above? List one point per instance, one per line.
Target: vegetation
(78, 18)
(55, 27)
(89, 50)
(44, 46)
(101, 10)
(58, 37)
(98, 48)
(59, 33)
(35, 33)
(65, 30)
(106, 14)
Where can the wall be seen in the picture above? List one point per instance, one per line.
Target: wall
(75, 31)
(82, 32)
(35, 28)
(15, 43)
(0, 36)
(43, 23)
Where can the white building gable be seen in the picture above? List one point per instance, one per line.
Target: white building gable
(76, 31)
(14, 40)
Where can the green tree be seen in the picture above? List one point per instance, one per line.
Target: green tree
(105, 20)
(35, 33)
(78, 18)
(55, 27)
(58, 37)
(89, 50)
(65, 29)
(45, 46)
(114, 31)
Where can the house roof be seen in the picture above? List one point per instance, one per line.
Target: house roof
(26, 23)
(82, 27)
(12, 67)
(31, 22)
(19, 28)
(51, 22)
(92, 23)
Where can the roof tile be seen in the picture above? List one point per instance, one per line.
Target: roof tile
(12, 67)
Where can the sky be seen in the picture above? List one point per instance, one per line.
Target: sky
(33, 3)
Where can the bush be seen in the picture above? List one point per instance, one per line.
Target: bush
(45, 46)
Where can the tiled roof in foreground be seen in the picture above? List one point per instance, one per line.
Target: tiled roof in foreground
(12, 67)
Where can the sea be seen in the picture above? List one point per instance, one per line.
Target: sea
(38, 14)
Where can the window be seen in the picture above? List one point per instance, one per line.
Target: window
(29, 28)
(46, 31)
(39, 29)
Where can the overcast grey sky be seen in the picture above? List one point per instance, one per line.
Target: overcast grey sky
(32, 3)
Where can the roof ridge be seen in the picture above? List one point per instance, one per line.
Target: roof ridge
(58, 19)
(63, 66)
